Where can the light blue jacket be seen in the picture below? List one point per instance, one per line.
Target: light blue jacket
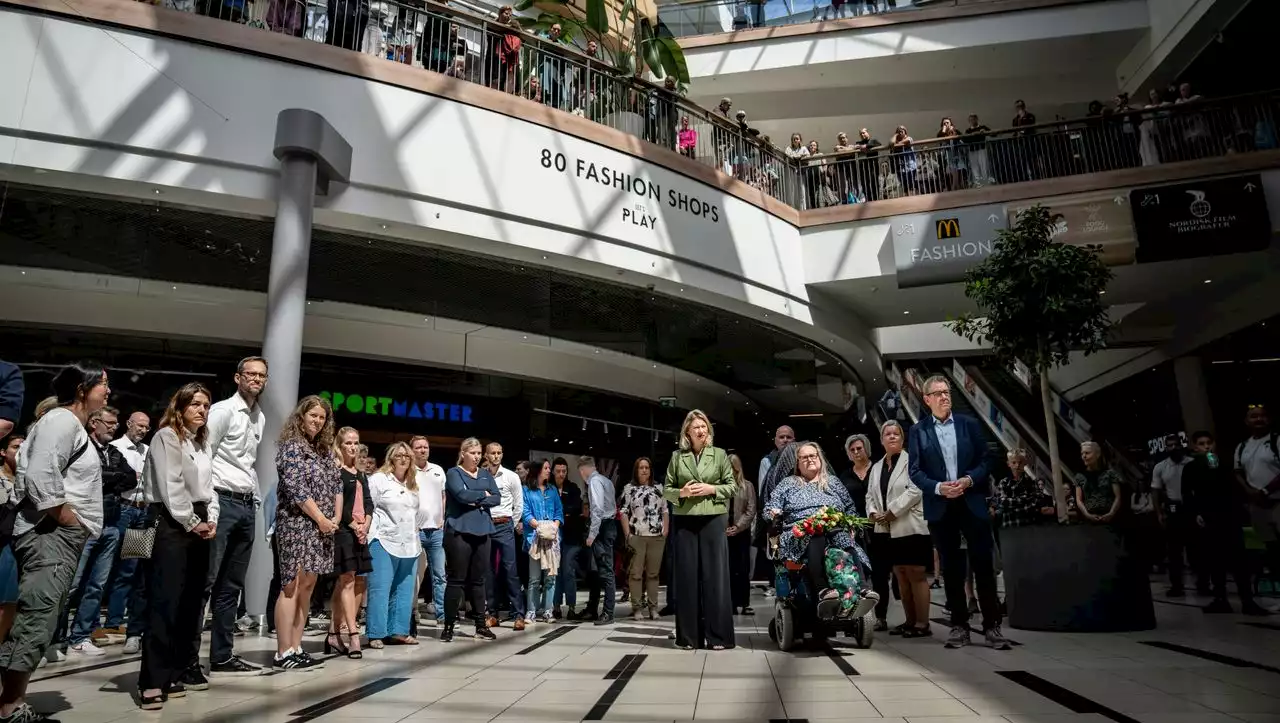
(541, 505)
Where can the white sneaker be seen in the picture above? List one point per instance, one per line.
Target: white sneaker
(86, 648)
(132, 644)
(54, 654)
(530, 619)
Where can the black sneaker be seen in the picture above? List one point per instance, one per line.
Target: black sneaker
(232, 667)
(193, 679)
(26, 714)
(288, 663)
(175, 690)
(605, 619)
(308, 661)
(446, 635)
(484, 633)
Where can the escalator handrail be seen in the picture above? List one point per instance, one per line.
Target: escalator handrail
(1024, 428)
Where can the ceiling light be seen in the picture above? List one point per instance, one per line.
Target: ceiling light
(655, 435)
(584, 427)
(384, 226)
(1208, 281)
(906, 312)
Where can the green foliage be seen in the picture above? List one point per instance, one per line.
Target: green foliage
(661, 55)
(1038, 300)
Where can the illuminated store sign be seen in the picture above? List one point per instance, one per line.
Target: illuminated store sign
(401, 408)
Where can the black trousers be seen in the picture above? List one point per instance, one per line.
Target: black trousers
(881, 570)
(176, 576)
(959, 522)
(1182, 536)
(1223, 552)
(602, 579)
(228, 565)
(701, 576)
(466, 560)
(740, 569)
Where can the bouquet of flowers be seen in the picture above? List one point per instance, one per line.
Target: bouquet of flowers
(827, 520)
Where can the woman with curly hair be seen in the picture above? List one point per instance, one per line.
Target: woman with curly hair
(309, 495)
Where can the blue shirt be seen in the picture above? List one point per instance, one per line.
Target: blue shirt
(601, 502)
(466, 507)
(543, 506)
(946, 431)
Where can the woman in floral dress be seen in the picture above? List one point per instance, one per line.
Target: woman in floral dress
(644, 524)
(309, 495)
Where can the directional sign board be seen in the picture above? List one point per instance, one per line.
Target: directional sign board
(1201, 218)
(937, 248)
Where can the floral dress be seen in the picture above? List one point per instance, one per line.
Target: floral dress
(799, 499)
(643, 505)
(304, 475)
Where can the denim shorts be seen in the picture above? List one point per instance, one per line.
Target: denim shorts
(8, 576)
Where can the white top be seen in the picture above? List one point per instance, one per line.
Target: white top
(1167, 476)
(179, 474)
(135, 455)
(235, 429)
(512, 493)
(431, 497)
(1258, 463)
(41, 461)
(395, 516)
(905, 500)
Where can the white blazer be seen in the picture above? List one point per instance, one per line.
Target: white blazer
(904, 500)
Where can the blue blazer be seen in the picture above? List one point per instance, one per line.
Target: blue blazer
(927, 467)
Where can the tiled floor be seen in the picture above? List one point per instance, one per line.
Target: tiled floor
(1090, 678)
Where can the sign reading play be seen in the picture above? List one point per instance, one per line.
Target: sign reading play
(1201, 218)
(938, 248)
(403, 408)
(638, 188)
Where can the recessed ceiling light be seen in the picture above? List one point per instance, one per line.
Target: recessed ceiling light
(384, 226)
(906, 312)
(1208, 281)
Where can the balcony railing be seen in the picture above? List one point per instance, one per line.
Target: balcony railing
(1183, 131)
(466, 46)
(707, 17)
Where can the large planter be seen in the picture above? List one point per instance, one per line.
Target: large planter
(1074, 578)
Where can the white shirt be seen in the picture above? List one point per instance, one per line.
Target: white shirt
(178, 475)
(1257, 462)
(512, 493)
(395, 516)
(1167, 476)
(235, 430)
(431, 497)
(135, 455)
(41, 461)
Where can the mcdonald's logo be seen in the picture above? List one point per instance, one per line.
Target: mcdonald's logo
(947, 228)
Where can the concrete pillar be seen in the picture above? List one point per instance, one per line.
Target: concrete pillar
(311, 154)
(1193, 393)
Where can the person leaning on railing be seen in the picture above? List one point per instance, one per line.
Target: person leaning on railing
(496, 58)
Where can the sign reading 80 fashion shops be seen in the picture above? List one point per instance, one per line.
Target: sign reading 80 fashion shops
(938, 248)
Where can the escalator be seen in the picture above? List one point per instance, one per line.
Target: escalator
(1009, 393)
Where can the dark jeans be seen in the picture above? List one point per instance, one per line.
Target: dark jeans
(177, 573)
(740, 569)
(957, 522)
(1223, 550)
(228, 563)
(505, 575)
(1182, 536)
(466, 559)
(273, 590)
(128, 591)
(881, 570)
(602, 578)
(567, 580)
(701, 579)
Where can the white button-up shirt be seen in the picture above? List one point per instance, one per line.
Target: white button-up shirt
(136, 456)
(431, 497)
(395, 515)
(235, 429)
(512, 493)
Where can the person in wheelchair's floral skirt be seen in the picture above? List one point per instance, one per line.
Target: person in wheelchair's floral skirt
(812, 509)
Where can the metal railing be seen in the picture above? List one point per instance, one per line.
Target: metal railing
(463, 45)
(707, 17)
(1131, 139)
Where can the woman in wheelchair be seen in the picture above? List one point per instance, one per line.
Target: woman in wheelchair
(799, 496)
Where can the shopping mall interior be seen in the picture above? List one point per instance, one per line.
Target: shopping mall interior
(455, 219)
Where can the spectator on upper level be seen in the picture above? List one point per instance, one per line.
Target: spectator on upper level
(725, 106)
(1021, 162)
(553, 66)
(687, 139)
(842, 144)
(508, 64)
(495, 72)
(797, 149)
(975, 137)
(813, 149)
(953, 159)
(905, 163)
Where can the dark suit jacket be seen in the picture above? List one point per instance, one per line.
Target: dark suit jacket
(927, 467)
(10, 392)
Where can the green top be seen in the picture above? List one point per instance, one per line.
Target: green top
(711, 467)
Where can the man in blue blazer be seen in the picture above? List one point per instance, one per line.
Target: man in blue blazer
(947, 453)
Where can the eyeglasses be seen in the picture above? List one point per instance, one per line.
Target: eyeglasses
(253, 375)
(808, 457)
(939, 393)
(402, 458)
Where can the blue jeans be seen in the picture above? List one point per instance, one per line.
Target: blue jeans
(567, 580)
(433, 542)
(542, 589)
(86, 588)
(505, 576)
(127, 590)
(390, 593)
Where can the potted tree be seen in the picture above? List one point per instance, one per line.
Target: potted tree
(1038, 301)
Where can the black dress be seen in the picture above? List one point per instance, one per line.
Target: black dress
(349, 554)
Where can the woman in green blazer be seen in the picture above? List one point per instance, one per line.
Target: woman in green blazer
(699, 485)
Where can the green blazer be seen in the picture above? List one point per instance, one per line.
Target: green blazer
(713, 468)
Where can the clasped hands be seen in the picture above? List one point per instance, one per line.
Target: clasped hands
(952, 490)
(697, 489)
(882, 518)
(205, 531)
